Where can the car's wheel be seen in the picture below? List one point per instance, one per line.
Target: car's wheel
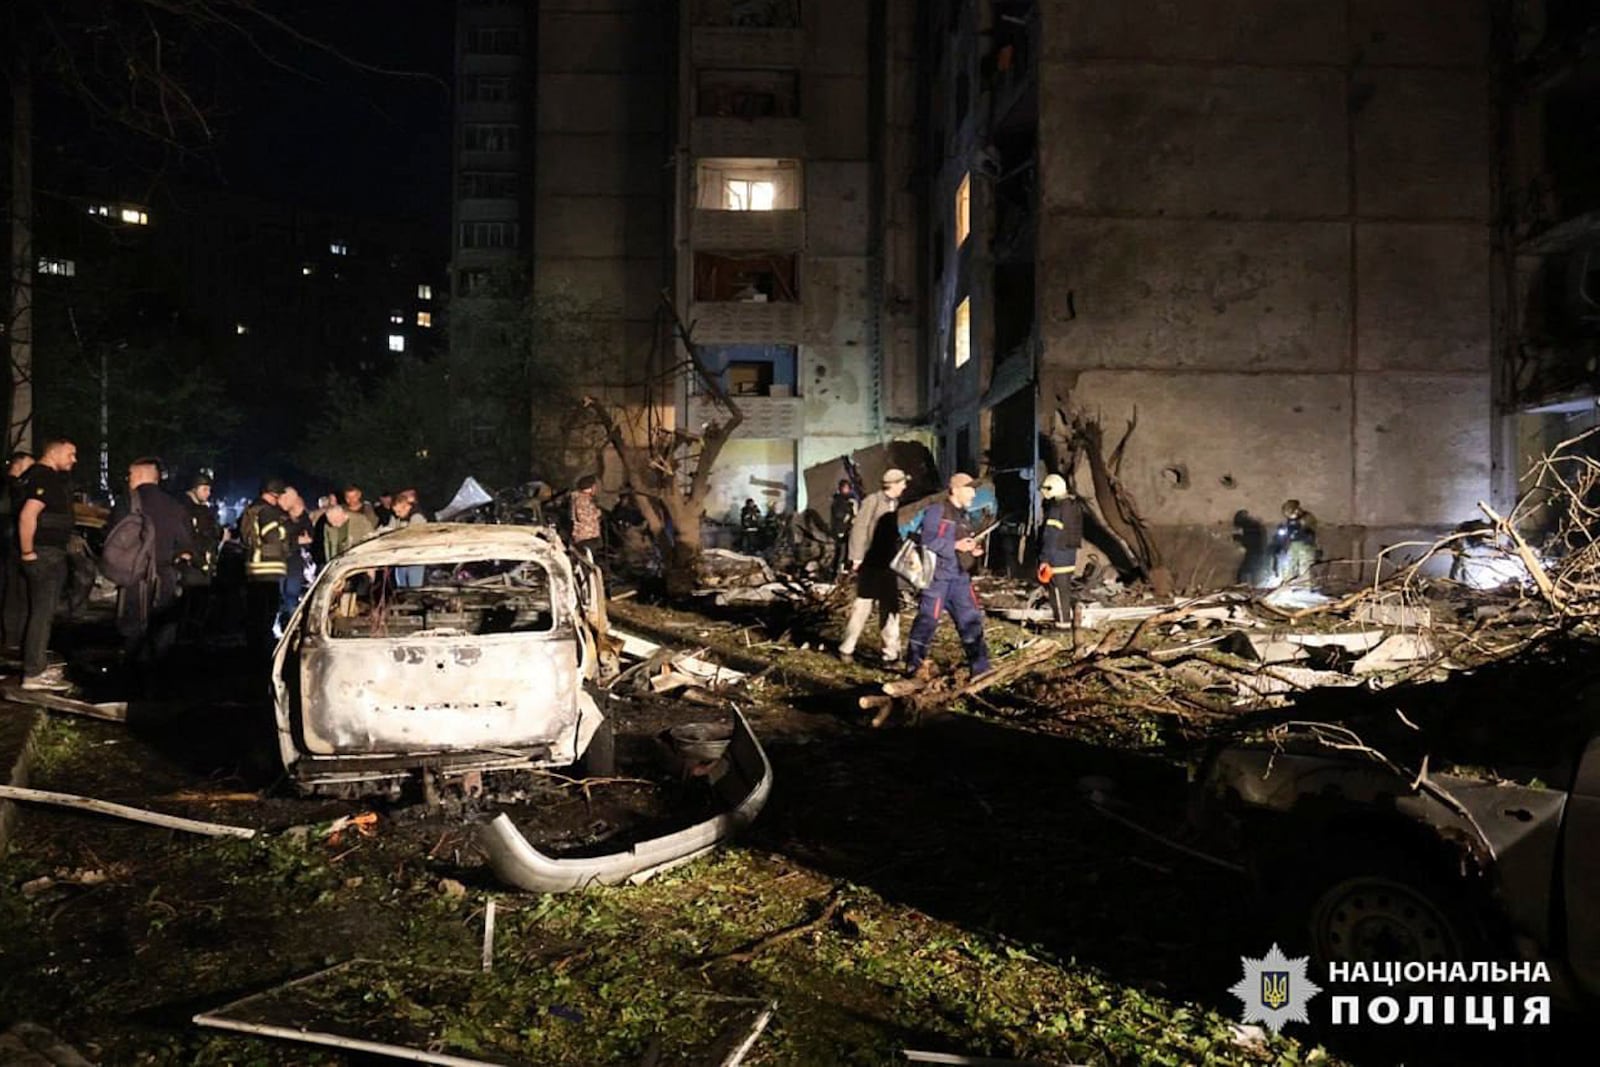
(599, 760)
(1379, 917)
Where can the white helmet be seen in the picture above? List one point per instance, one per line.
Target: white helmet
(1054, 488)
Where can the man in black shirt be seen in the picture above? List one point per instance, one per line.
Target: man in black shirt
(843, 514)
(44, 525)
(14, 599)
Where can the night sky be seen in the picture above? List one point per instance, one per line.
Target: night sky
(325, 134)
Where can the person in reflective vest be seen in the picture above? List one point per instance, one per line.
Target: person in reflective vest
(264, 530)
(1059, 541)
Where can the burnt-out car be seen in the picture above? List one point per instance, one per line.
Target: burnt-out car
(1367, 856)
(447, 648)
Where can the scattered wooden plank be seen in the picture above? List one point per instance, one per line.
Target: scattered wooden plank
(116, 711)
(122, 811)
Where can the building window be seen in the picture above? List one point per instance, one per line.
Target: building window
(103, 210)
(240, 328)
(494, 40)
(755, 14)
(489, 137)
(963, 210)
(748, 94)
(425, 319)
(135, 216)
(307, 269)
(339, 248)
(397, 342)
(397, 317)
(424, 292)
(66, 268)
(489, 185)
(741, 194)
(488, 235)
(132, 214)
(963, 331)
(484, 88)
(746, 279)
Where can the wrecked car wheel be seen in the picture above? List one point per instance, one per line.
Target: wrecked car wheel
(600, 758)
(1372, 917)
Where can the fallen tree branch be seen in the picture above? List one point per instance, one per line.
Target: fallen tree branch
(788, 933)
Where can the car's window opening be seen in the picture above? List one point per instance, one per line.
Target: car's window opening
(447, 599)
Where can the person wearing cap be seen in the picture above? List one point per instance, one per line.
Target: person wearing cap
(264, 530)
(874, 538)
(205, 535)
(1059, 541)
(947, 532)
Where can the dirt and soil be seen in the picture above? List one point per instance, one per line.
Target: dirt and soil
(939, 886)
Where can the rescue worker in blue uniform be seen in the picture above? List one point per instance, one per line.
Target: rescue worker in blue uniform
(1059, 542)
(947, 532)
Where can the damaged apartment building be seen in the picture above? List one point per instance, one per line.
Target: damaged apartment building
(1289, 236)
(730, 153)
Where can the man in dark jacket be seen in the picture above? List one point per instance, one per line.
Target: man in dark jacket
(1058, 546)
(147, 616)
(264, 531)
(947, 532)
(843, 514)
(13, 595)
(206, 534)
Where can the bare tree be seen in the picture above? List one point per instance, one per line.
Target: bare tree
(670, 469)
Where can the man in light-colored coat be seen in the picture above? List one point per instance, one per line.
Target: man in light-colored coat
(874, 537)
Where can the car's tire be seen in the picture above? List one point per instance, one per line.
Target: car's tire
(1371, 900)
(599, 760)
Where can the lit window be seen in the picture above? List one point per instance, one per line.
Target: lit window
(135, 216)
(424, 318)
(397, 342)
(397, 318)
(738, 194)
(307, 269)
(102, 210)
(963, 331)
(339, 248)
(424, 292)
(64, 267)
(240, 328)
(963, 210)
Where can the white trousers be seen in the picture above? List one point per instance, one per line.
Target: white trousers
(889, 628)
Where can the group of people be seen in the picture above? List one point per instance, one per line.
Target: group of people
(873, 542)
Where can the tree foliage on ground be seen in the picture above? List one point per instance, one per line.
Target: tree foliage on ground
(437, 417)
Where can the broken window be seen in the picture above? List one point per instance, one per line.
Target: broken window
(962, 331)
(748, 94)
(745, 279)
(748, 184)
(444, 600)
(751, 370)
(750, 379)
(963, 209)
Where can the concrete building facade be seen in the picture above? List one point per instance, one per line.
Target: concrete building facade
(1261, 226)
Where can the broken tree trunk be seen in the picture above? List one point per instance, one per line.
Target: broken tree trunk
(1116, 507)
(913, 697)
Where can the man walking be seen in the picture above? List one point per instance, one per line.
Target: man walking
(947, 532)
(1058, 547)
(147, 607)
(874, 537)
(44, 525)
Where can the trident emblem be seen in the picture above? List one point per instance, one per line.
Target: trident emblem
(1274, 988)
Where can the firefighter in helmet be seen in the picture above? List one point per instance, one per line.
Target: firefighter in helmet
(1058, 546)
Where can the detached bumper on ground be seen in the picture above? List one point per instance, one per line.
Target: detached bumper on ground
(742, 780)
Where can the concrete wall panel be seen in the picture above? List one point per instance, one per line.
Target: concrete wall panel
(1424, 297)
(626, 287)
(763, 470)
(1422, 144)
(1193, 141)
(834, 292)
(1270, 436)
(1257, 31)
(581, 227)
(1422, 448)
(1271, 296)
(1419, 31)
(837, 203)
(835, 109)
(836, 386)
(602, 42)
(598, 103)
(588, 164)
(837, 35)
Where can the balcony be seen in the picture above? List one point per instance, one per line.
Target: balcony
(780, 417)
(773, 138)
(736, 322)
(777, 231)
(726, 46)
